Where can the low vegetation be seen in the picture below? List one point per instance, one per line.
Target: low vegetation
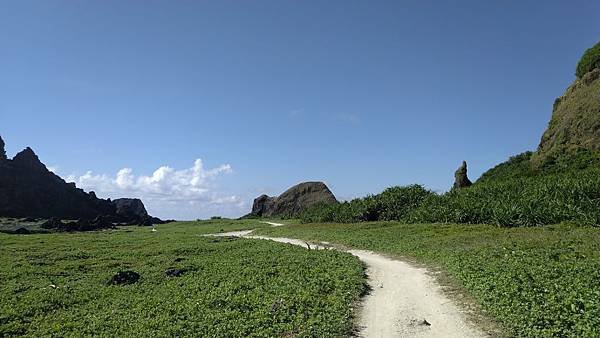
(589, 61)
(173, 282)
(537, 282)
(567, 188)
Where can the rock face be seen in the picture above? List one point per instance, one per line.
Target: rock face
(133, 210)
(575, 122)
(460, 177)
(29, 189)
(2, 151)
(293, 201)
(130, 208)
(262, 205)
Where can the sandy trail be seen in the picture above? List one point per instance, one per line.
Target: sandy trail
(274, 224)
(405, 301)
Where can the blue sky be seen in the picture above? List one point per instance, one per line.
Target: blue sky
(360, 94)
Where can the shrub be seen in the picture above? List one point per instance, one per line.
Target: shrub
(589, 61)
(392, 204)
(552, 198)
(527, 201)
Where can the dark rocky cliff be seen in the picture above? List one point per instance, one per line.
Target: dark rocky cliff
(29, 189)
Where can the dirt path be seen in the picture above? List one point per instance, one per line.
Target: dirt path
(405, 301)
(273, 224)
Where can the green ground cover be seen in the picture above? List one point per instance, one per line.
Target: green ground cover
(536, 281)
(230, 288)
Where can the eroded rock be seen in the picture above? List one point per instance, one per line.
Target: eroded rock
(460, 177)
(293, 201)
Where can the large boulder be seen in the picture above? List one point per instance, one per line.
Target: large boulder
(293, 201)
(130, 208)
(461, 180)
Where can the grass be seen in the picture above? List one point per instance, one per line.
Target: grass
(56, 284)
(536, 282)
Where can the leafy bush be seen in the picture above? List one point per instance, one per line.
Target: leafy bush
(572, 195)
(589, 61)
(529, 201)
(516, 166)
(392, 204)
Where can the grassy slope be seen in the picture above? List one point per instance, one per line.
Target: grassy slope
(234, 288)
(536, 282)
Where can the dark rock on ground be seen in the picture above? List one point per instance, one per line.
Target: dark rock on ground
(124, 278)
(98, 223)
(29, 189)
(460, 177)
(22, 231)
(53, 223)
(174, 272)
(293, 201)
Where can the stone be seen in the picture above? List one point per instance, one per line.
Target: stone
(53, 223)
(174, 272)
(460, 177)
(293, 201)
(124, 278)
(262, 204)
(131, 209)
(22, 231)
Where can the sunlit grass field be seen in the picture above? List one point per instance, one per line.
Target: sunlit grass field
(56, 284)
(536, 281)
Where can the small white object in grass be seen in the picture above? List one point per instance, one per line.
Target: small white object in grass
(153, 229)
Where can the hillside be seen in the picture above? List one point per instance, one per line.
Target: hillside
(572, 138)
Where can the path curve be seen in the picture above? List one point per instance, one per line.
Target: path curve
(404, 301)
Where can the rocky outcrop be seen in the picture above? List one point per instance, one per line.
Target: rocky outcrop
(461, 180)
(293, 201)
(2, 151)
(130, 208)
(29, 189)
(575, 122)
(262, 205)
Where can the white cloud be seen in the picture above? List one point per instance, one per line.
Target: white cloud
(168, 192)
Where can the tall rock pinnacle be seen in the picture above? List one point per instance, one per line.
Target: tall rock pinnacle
(2, 151)
(460, 177)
